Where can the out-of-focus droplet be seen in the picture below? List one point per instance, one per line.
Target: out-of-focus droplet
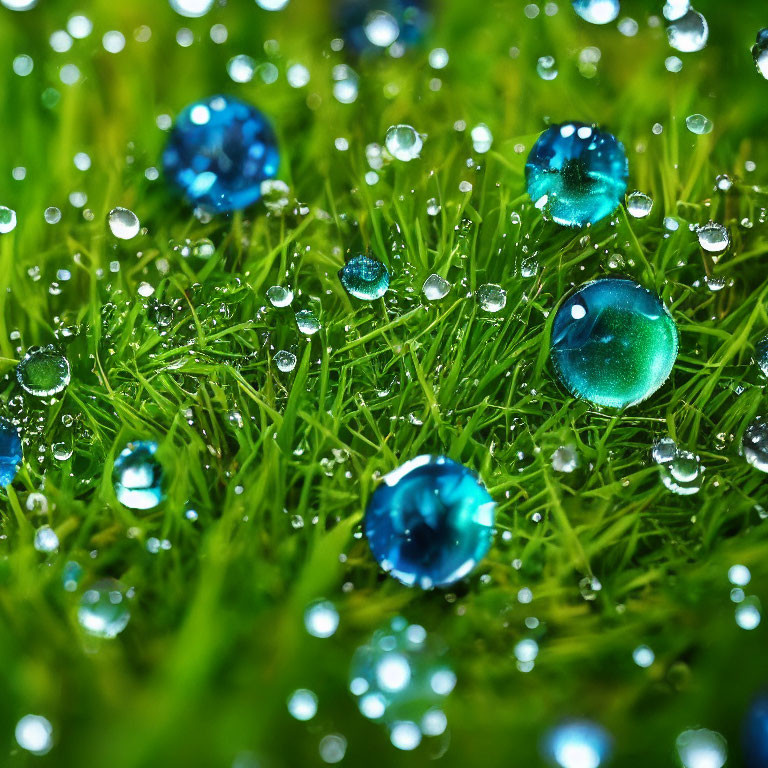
(597, 11)
(103, 610)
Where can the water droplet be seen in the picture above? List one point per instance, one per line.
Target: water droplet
(33, 732)
(429, 522)
(279, 296)
(52, 215)
(138, 476)
(613, 343)
(103, 610)
(698, 124)
(643, 656)
(724, 182)
(664, 450)
(241, 68)
(639, 205)
(565, 459)
(689, 32)
(7, 220)
(284, 360)
(192, 8)
(43, 371)
(332, 748)
(307, 322)
(576, 174)
(436, 287)
(365, 278)
(433, 206)
(46, 539)
(302, 704)
(739, 575)
(713, 237)
(272, 5)
(754, 444)
(546, 68)
(123, 223)
(701, 749)
(381, 28)
(438, 58)
(491, 297)
(321, 618)
(748, 614)
(597, 11)
(760, 53)
(482, 138)
(10, 452)
(578, 744)
(403, 142)
(684, 474)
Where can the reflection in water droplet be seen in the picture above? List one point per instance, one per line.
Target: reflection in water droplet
(103, 610)
(639, 205)
(279, 296)
(403, 142)
(7, 220)
(698, 124)
(365, 278)
(307, 322)
(683, 474)
(689, 32)
(123, 223)
(491, 297)
(546, 68)
(284, 360)
(713, 237)
(597, 11)
(435, 287)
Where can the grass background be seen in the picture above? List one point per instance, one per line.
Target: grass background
(216, 640)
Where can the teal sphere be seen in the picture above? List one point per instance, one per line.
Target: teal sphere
(365, 278)
(430, 522)
(613, 343)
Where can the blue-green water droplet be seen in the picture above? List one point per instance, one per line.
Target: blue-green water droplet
(103, 610)
(43, 371)
(760, 53)
(613, 343)
(576, 174)
(138, 476)
(430, 522)
(754, 444)
(10, 452)
(365, 278)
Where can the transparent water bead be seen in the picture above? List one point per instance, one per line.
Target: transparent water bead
(435, 288)
(597, 11)
(46, 539)
(400, 679)
(10, 452)
(370, 26)
(639, 205)
(43, 371)
(123, 223)
(302, 704)
(365, 278)
(34, 733)
(284, 360)
(103, 610)
(491, 297)
(403, 142)
(713, 237)
(429, 522)
(613, 343)
(565, 459)
(19, 5)
(683, 474)
(546, 68)
(307, 322)
(279, 296)
(664, 450)
(576, 174)
(192, 8)
(138, 476)
(760, 53)
(7, 220)
(321, 619)
(643, 656)
(577, 744)
(701, 749)
(689, 32)
(699, 124)
(219, 152)
(52, 215)
(754, 444)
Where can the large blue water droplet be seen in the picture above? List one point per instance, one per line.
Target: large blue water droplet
(10, 452)
(576, 174)
(430, 522)
(219, 152)
(365, 278)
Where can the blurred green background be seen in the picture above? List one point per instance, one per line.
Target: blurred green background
(279, 466)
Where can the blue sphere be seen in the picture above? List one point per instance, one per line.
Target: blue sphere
(756, 733)
(576, 174)
(430, 522)
(373, 25)
(219, 152)
(10, 452)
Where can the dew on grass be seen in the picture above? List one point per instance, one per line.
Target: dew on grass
(79, 26)
(491, 297)
(307, 322)
(138, 476)
(673, 64)
(403, 142)
(565, 459)
(23, 65)
(589, 587)
(683, 474)
(713, 237)
(754, 444)
(526, 650)
(203, 249)
(346, 83)
(332, 748)
(482, 138)
(699, 124)
(285, 360)
(34, 733)
(241, 68)
(113, 41)
(279, 296)
(43, 371)
(52, 215)
(689, 32)
(381, 28)
(123, 223)
(664, 450)
(435, 288)
(739, 575)
(438, 58)
(577, 744)
(302, 704)
(701, 748)
(433, 207)
(321, 619)
(643, 656)
(597, 11)
(161, 314)
(760, 53)
(272, 5)
(723, 182)
(103, 611)
(761, 355)
(365, 278)
(46, 539)
(10, 452)
(748, 614)
(192, 8)
(639, 205)
(546, 67)
(7, 220)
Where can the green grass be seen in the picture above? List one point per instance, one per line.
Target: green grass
(216, 640)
